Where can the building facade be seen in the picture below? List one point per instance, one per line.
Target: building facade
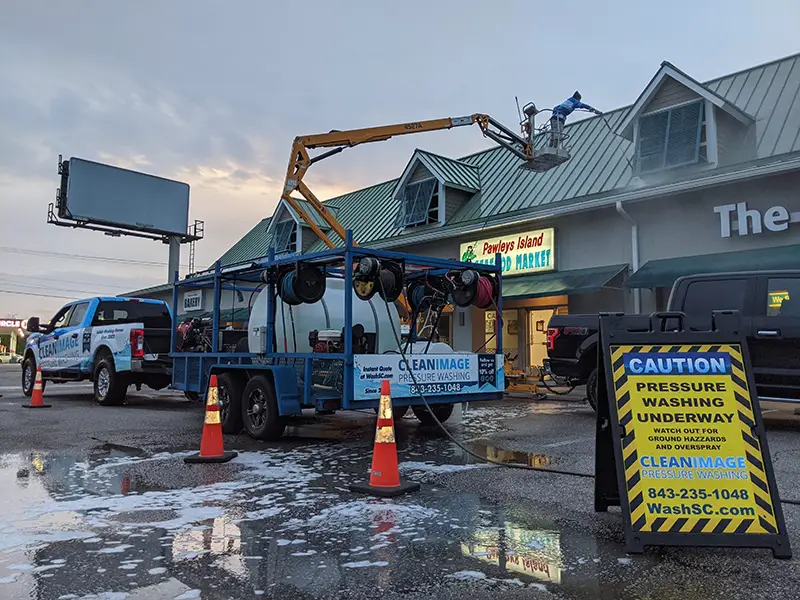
(693, 177)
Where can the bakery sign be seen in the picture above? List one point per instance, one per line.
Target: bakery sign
(521, 253)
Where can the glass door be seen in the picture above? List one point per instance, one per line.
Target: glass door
(537, 336)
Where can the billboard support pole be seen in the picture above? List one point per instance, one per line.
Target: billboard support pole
(174, 257)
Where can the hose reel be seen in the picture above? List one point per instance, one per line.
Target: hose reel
(382, 277)
(305, 284)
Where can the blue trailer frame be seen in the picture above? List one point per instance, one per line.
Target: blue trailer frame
(192, 371)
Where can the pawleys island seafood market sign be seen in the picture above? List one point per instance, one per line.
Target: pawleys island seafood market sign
(527, 252)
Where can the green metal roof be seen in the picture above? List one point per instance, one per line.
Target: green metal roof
(664, 272)
(314, 214)
(599, 166)
(453, 172)
(254, 244)
(576, 281)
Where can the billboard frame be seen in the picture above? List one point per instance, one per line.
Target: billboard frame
(195, 231)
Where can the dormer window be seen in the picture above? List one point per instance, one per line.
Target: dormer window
(419, 204)
(671, 138)
(284, 238)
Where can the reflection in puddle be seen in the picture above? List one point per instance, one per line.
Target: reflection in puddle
(516, 549)
(531, 459)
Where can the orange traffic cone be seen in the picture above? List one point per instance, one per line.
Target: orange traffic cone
(37, 397)
(211, 446)
(384, 479)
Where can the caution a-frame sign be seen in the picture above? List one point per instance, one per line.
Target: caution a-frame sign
(681, 446)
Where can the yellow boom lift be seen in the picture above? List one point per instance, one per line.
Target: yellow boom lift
(522, 146)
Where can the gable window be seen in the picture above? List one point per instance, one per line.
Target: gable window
(419, 204)
(672, 138)
(284, 238)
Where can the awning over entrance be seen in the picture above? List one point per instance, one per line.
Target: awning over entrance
(664, 272)
(577, 281)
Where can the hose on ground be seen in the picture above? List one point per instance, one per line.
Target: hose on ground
(439, 424)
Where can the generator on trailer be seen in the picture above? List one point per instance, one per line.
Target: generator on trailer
(324, 332)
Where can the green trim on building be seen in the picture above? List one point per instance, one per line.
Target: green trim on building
(576, 281)
(664, 272)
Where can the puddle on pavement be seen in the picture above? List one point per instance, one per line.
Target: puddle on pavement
(278, 521)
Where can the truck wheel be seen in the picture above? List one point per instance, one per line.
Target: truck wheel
(442, 412)
(29, 376)
(591, 389)
(229, 392)
(192, 396)
(110, 387)
(398, 412)
(260, 410)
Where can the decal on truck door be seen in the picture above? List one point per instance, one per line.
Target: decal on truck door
(87, 340)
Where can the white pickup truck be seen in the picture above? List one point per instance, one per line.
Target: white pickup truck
(113, 342)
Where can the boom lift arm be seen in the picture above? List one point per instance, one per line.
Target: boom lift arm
(300, 160)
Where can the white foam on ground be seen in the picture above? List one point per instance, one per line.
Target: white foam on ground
(272, 470)
(365, 563)
(112, 549)
(157, 571)
(429, 467)
(11, 578)
(467, 575)
(348, 515)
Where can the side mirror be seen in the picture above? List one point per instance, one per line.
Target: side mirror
(33, 325)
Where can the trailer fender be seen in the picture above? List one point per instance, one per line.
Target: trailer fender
(287, 392)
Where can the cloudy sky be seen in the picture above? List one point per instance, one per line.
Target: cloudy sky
(212, 93)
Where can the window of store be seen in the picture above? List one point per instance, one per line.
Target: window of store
(420, 204)
(671, 138)
(511, 327)
(285, 236)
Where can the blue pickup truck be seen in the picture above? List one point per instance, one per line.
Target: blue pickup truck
(113, 342)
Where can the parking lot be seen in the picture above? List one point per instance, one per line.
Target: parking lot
(97, 500)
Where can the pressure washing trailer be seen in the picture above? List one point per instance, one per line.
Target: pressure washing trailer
(324, 332)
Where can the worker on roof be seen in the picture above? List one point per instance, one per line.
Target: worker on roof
(560, 114)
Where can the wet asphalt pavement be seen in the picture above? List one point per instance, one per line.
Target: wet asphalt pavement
(97, 503)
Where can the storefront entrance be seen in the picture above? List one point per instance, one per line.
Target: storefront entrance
(524, 331)
(537, 335)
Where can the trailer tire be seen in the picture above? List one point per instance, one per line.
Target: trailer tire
(398, 412)
(260, 410)
(229, 392)
(442, 412)
(110, 387)
(591, 389)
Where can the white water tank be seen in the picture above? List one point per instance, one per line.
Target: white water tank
(328, 313)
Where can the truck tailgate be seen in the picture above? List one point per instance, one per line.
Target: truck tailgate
(156, 340)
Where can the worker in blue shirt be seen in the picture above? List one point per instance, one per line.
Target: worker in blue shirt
(560, 114)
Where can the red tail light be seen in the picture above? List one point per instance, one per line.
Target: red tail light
(137, 343)
(552, 334)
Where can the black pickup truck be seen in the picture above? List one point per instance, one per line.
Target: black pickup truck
(769, 302)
